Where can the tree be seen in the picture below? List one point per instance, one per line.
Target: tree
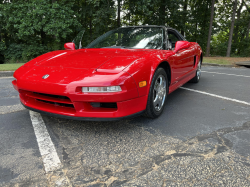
(30, 28)
(248, 28)
(231, 30)
(118, 13)
(210, 28)
(184, 16)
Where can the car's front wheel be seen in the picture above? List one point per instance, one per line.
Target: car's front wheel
(157, 94)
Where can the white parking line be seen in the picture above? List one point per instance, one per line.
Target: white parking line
(218, 96)
(6, 77)
(225, 74)
(11, 108)
(47, 149)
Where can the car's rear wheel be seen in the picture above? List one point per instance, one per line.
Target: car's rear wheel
(157, 94)
(197, 77)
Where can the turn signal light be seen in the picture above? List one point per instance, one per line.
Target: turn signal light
(142, 84)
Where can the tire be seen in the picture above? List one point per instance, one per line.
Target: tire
(197, 77)
(157, 94)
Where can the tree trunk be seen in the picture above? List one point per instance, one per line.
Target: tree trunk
(118, 13)
(237, 25)
(231, 30)
(248, 28)
(90, 28)
(129, 12)
(184, 16)
(54, 36)
(162, 12)
(237, 21)
(196, 28)
(210, 28)
(43, 36)
(248, 8)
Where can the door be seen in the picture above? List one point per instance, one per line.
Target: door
(183, 59)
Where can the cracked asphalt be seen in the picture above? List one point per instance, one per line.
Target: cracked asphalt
(199, 140)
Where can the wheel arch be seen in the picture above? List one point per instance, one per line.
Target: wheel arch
(166, 66)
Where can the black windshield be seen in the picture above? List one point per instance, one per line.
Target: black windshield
(131, 37)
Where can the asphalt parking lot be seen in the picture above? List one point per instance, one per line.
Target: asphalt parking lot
(201, 139)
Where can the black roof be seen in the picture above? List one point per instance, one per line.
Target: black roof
(167, 27)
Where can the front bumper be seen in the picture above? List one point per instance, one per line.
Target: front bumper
(78, 106)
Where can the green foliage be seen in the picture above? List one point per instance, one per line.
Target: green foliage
(14, 52)
(34, 17)
(23, 52)
(219, 50)
(2, 49)
(244, 49)
(32, 51)
(219, 43)
(31, 28)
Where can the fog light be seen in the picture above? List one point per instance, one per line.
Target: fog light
(102, 89)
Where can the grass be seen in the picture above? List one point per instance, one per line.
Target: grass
(216, 61)
(225, 60)
(10, 67)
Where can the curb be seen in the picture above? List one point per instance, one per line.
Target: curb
(6, 73)
(220, 65)
(244, 63)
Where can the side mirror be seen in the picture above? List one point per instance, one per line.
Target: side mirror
(181, 45)
(70, 46)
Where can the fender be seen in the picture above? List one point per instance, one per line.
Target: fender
(143, 69)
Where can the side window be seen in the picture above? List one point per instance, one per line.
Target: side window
(173, 38)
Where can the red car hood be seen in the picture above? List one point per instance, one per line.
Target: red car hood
(68, 66)
(104, 60)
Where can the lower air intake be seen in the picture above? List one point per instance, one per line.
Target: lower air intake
(57, 104)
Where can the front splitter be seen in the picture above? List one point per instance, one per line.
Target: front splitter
(84, 118)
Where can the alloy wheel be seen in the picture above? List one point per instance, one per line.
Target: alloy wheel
(159, 92)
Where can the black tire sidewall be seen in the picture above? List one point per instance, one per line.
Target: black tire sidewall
(196, 79)
(150, 106)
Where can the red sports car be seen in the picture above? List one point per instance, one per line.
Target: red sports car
(125, 72)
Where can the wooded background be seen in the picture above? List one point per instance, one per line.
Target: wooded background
(29, 28)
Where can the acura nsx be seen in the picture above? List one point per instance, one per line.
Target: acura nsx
(125, 72)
